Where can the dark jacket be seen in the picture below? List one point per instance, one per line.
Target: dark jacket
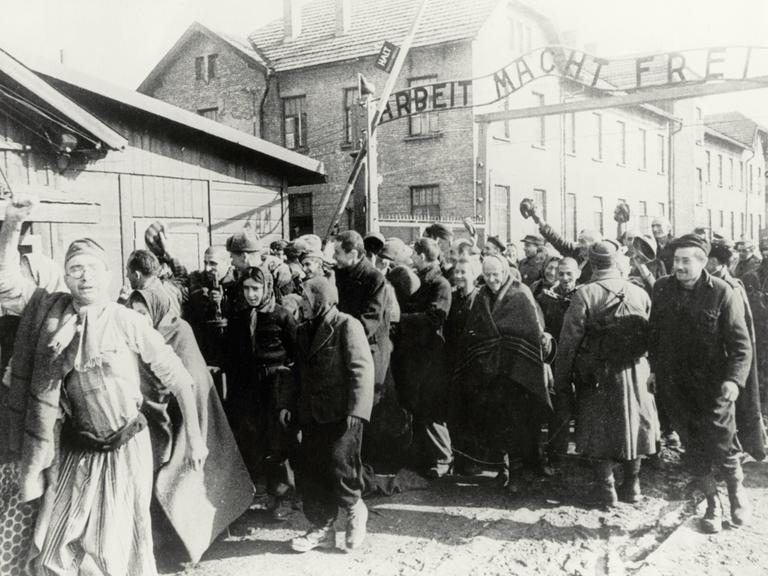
(333, 371)
(363, 295)
(666, 254)
(530, 270)
(567, 248)
(418, 361)
(756, 285)
(554, 304)
(744, 267)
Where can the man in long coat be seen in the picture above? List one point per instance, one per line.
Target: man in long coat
(756, 285)
(617, 418)
(701, 356)
(419, 362)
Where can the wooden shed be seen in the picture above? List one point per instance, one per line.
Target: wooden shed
(106, 161)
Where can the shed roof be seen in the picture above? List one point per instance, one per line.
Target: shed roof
(372, 22)
(298, 168)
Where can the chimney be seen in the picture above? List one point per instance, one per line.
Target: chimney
(291, 19)
(343, 13)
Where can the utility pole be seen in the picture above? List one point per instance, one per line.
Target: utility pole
(373, 122)
(372, 165)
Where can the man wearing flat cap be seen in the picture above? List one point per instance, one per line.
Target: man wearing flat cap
(701, 357)
(529, 266)
(748, 260)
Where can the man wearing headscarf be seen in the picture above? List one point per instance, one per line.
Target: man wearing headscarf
(500, 374)
(78, 354)
(331, 400)
(617, 419)
(701, 356)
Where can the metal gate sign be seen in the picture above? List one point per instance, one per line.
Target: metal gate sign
(386, 58)
(609, 76)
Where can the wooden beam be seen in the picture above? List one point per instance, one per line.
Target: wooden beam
(675, 92)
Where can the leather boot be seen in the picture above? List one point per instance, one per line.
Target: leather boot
(741, 509)
(712, 521)
(604, 491)
(629, 491)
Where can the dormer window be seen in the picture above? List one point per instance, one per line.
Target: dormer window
(205, 67)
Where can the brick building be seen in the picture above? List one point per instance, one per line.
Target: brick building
(294, 82)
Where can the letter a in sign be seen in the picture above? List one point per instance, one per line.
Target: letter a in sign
(386, 58)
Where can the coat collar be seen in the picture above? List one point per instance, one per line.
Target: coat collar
(324, 331)
(611, 273)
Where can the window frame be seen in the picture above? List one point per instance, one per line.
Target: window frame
(433, 189)
(423, 117)
(300, 121)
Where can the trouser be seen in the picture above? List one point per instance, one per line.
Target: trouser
(433, 442)
(329, 469)
(525, 418)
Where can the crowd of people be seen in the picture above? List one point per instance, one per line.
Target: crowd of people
(326, 373)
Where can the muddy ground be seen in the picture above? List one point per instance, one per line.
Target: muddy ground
(466, 525)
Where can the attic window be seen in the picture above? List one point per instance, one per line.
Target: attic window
(205, 67)
(212, 58)
(199, 64)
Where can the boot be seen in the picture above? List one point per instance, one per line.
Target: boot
(741, 509)
(604, 491)
(316, 537)
(629, 491)
(712, 522)
(357, 519)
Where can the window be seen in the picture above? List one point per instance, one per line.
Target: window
(720, 170)
(295, 122)
(210, 113)
(662, 209)
(540, 198)
(722, 219)
(352, 118)
(741, 174)
(212, 58)
(621, 128)
(597, 206)
(598, 121)
(662, 156)
(699, 127)
(502, 212)
(759, 223)
(505, 125)
(540, 138)
(427, 122)
(709, 167)
(730, 173)
(570, 133)
(570, 216)
(699, 187)
(733, 225)
(709, 218)
(425, 201)
(199, 63)
(519, 36)
(643, 208)
(742, 223)
(751, 225)
(643, 149)
(300, 214)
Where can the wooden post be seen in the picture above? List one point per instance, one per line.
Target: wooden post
(372, 196)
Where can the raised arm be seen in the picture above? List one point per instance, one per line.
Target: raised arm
(15, 289)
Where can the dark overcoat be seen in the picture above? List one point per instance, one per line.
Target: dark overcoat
(333, 371)
(419, 361)
(530, 270)
(699, 339)
(363, 295)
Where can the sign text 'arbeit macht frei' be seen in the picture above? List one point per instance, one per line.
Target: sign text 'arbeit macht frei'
(621, 75)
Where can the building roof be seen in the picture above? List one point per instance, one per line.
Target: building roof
(58, 102)
(735, 126)
(240, 46)
(372, 22)
(298, 168)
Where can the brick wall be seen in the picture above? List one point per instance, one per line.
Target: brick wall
(236, 90)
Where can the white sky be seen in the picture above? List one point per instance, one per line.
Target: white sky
(121, 40)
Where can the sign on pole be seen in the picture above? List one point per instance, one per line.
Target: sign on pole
(387, 56)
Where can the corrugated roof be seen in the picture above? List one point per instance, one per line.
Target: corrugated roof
(372, 22)
(735, 125)
(300, 169)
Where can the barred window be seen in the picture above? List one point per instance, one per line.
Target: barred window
(425, 201)
(295, 122)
